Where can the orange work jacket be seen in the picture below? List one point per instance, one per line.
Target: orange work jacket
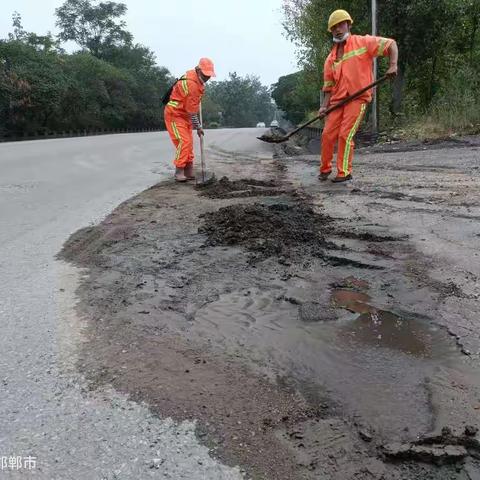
(355, 70)
(186, 95)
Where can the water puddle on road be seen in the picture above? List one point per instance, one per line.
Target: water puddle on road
(371, 360)
(381, 328)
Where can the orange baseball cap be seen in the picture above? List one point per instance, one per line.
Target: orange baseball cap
(206, 66)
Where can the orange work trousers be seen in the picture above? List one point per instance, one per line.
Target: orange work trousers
(340, 127)
(180, 130)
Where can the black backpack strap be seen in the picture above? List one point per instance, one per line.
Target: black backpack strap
(166, 97)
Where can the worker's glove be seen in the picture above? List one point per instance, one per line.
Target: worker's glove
(200, 132)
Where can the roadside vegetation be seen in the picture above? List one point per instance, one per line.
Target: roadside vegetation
(109, 82)
(437, 91)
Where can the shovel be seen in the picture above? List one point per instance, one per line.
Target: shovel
(281, 139)
(206, 178)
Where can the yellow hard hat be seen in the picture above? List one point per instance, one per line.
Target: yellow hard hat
(338, 16)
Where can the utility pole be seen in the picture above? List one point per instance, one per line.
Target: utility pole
(374, 101)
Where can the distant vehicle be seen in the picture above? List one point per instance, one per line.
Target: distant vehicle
(274, 123)
(261, 125)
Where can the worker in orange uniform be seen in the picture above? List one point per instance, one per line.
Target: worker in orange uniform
(348, 68)
(181, 116)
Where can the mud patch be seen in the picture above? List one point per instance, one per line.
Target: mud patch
(368, 236)
(273, 137)
(247, 187)
(268, 230)
(439, 449)
(329, 449)
(283, 230)
(348, 262)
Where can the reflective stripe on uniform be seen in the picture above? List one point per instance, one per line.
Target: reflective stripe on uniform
(179, 138)
(328, 84)
(351, 134)
(353, 53)
(185, 86)
(173, 103)
(383, 45)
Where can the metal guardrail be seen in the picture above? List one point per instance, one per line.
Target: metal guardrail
(39, 135)
(313, 132)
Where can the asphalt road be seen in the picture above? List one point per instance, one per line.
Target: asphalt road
(48, 190)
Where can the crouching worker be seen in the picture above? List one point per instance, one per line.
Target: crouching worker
(182, 115)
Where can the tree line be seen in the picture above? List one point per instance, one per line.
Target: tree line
(439, 63)
(110, 83)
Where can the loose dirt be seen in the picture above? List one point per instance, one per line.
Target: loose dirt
(226, 188)
(277, 229)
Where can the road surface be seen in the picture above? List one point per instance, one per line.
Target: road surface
(48, 190)
(372, 315)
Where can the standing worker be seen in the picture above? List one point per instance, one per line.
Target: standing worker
(348, 68)
(181, 116)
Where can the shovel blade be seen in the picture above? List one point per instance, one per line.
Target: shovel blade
(273, 139)
(205, 180)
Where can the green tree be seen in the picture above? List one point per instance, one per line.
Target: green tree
(131, 57)
(212, 112)
(40, 42)
(93, 25)
(32, 85)
(243, 101)
(429, 33)
(99, 94)
(297, 94)
(43, 89)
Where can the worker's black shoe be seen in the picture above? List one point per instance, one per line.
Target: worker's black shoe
(324, 176)
(342, 179)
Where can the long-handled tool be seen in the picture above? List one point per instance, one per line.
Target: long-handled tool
(280, 139)
(207, 179)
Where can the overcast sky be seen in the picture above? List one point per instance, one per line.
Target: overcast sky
(245, 36)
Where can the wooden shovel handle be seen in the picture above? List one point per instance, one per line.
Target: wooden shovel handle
(341, 103)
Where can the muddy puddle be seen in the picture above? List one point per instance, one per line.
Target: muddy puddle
(383, 329)
(373, 360)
